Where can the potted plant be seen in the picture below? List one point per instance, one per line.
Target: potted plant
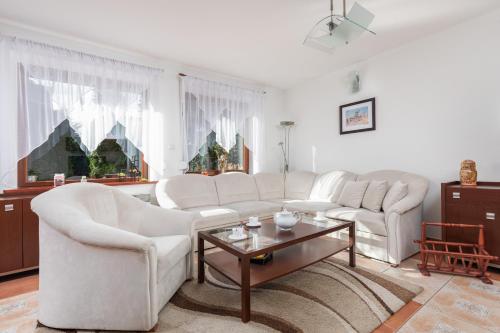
(98, 166)
(217, 159)
(32, 176)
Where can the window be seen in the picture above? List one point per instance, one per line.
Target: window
(221, 126)
(213, 158)
(78, 113)
(115, 159)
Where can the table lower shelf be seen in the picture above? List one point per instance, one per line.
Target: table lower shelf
(284, 261)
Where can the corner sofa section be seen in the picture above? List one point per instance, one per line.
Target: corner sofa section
(228, 198)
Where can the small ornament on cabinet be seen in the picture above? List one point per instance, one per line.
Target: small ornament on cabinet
(468, 173)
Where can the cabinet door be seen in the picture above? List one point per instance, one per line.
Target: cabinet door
(453, 216)
(11, 235)
(30, 235)
(491, 222)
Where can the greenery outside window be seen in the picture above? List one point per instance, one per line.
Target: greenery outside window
(115, 159)
(213, 158)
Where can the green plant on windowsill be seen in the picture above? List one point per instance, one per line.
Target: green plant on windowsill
(98, 167)
(32, 176)
(217, 157)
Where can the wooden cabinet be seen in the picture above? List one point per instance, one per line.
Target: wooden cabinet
(11, 235)
(472, 205)
(18, 235)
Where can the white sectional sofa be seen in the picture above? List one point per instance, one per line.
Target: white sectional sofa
(231, 197)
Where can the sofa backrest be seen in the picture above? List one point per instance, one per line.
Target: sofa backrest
(328, 186)
(271, 186)
(96, 201)
(186, 191)
(298, 184)
(417, 185)
(236, 187)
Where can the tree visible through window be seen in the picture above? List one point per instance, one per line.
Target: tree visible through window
(212, 156)
(115, 157)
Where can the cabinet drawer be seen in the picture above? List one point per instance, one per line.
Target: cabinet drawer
(454, 195)
(479, 214)
(473, 195)
(11, 235)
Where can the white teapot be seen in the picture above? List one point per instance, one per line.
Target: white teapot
(286, 220)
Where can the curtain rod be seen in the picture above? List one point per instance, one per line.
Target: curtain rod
(82, 53)
(183, 75)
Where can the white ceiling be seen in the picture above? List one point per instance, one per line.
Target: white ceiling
(260, 40)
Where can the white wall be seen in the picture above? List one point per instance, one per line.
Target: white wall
(437, 103)
(273, 105)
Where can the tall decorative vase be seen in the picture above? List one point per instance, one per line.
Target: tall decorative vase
(468, 173)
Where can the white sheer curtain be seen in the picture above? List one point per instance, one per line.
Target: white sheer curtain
(224, 109)
(41, 86)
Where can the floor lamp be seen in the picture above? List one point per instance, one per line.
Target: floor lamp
(285, 145)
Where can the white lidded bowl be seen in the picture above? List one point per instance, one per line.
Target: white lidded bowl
(286, 220)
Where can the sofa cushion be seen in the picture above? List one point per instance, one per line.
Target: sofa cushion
(364, 219)
(374, 195)
(397, 192)
(417, 188)
(298, 184)
(329, 185)
(308, 206)
(270, 185)
(353, 193)
(186, 191)
(170, 250)
(212, 216)
(246, 209)
(236, 187)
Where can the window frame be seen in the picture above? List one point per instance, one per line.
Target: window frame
(22, 176)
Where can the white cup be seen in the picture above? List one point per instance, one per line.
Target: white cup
(238, 231)
(252, 220)
(320, 215)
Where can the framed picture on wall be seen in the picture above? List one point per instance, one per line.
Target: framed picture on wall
(357, 117)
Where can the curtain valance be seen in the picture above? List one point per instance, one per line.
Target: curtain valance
(41, 86)
(224, 109)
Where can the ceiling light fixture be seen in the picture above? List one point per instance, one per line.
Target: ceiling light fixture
(337, 30)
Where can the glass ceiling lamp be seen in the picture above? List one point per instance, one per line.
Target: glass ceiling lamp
(337, 30)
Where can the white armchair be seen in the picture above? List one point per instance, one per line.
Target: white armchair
(108, 261)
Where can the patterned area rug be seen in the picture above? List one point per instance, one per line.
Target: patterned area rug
(326, 297)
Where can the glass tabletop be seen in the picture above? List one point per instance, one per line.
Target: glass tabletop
(269, 234)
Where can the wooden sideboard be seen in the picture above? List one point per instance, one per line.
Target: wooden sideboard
(18, 235)
(472, 205)
(19, 226)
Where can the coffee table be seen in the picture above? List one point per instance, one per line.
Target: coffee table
(292, 250)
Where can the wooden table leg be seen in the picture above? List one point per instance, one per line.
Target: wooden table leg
(352, 243)
(245, 290)
(201, 260)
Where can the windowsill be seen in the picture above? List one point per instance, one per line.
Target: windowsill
(34, 190)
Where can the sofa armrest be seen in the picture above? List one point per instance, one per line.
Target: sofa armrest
(157, 221)
(162, 197)
(150, 220)
(402, 230)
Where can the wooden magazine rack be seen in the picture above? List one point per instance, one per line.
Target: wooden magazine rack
(452, 257)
